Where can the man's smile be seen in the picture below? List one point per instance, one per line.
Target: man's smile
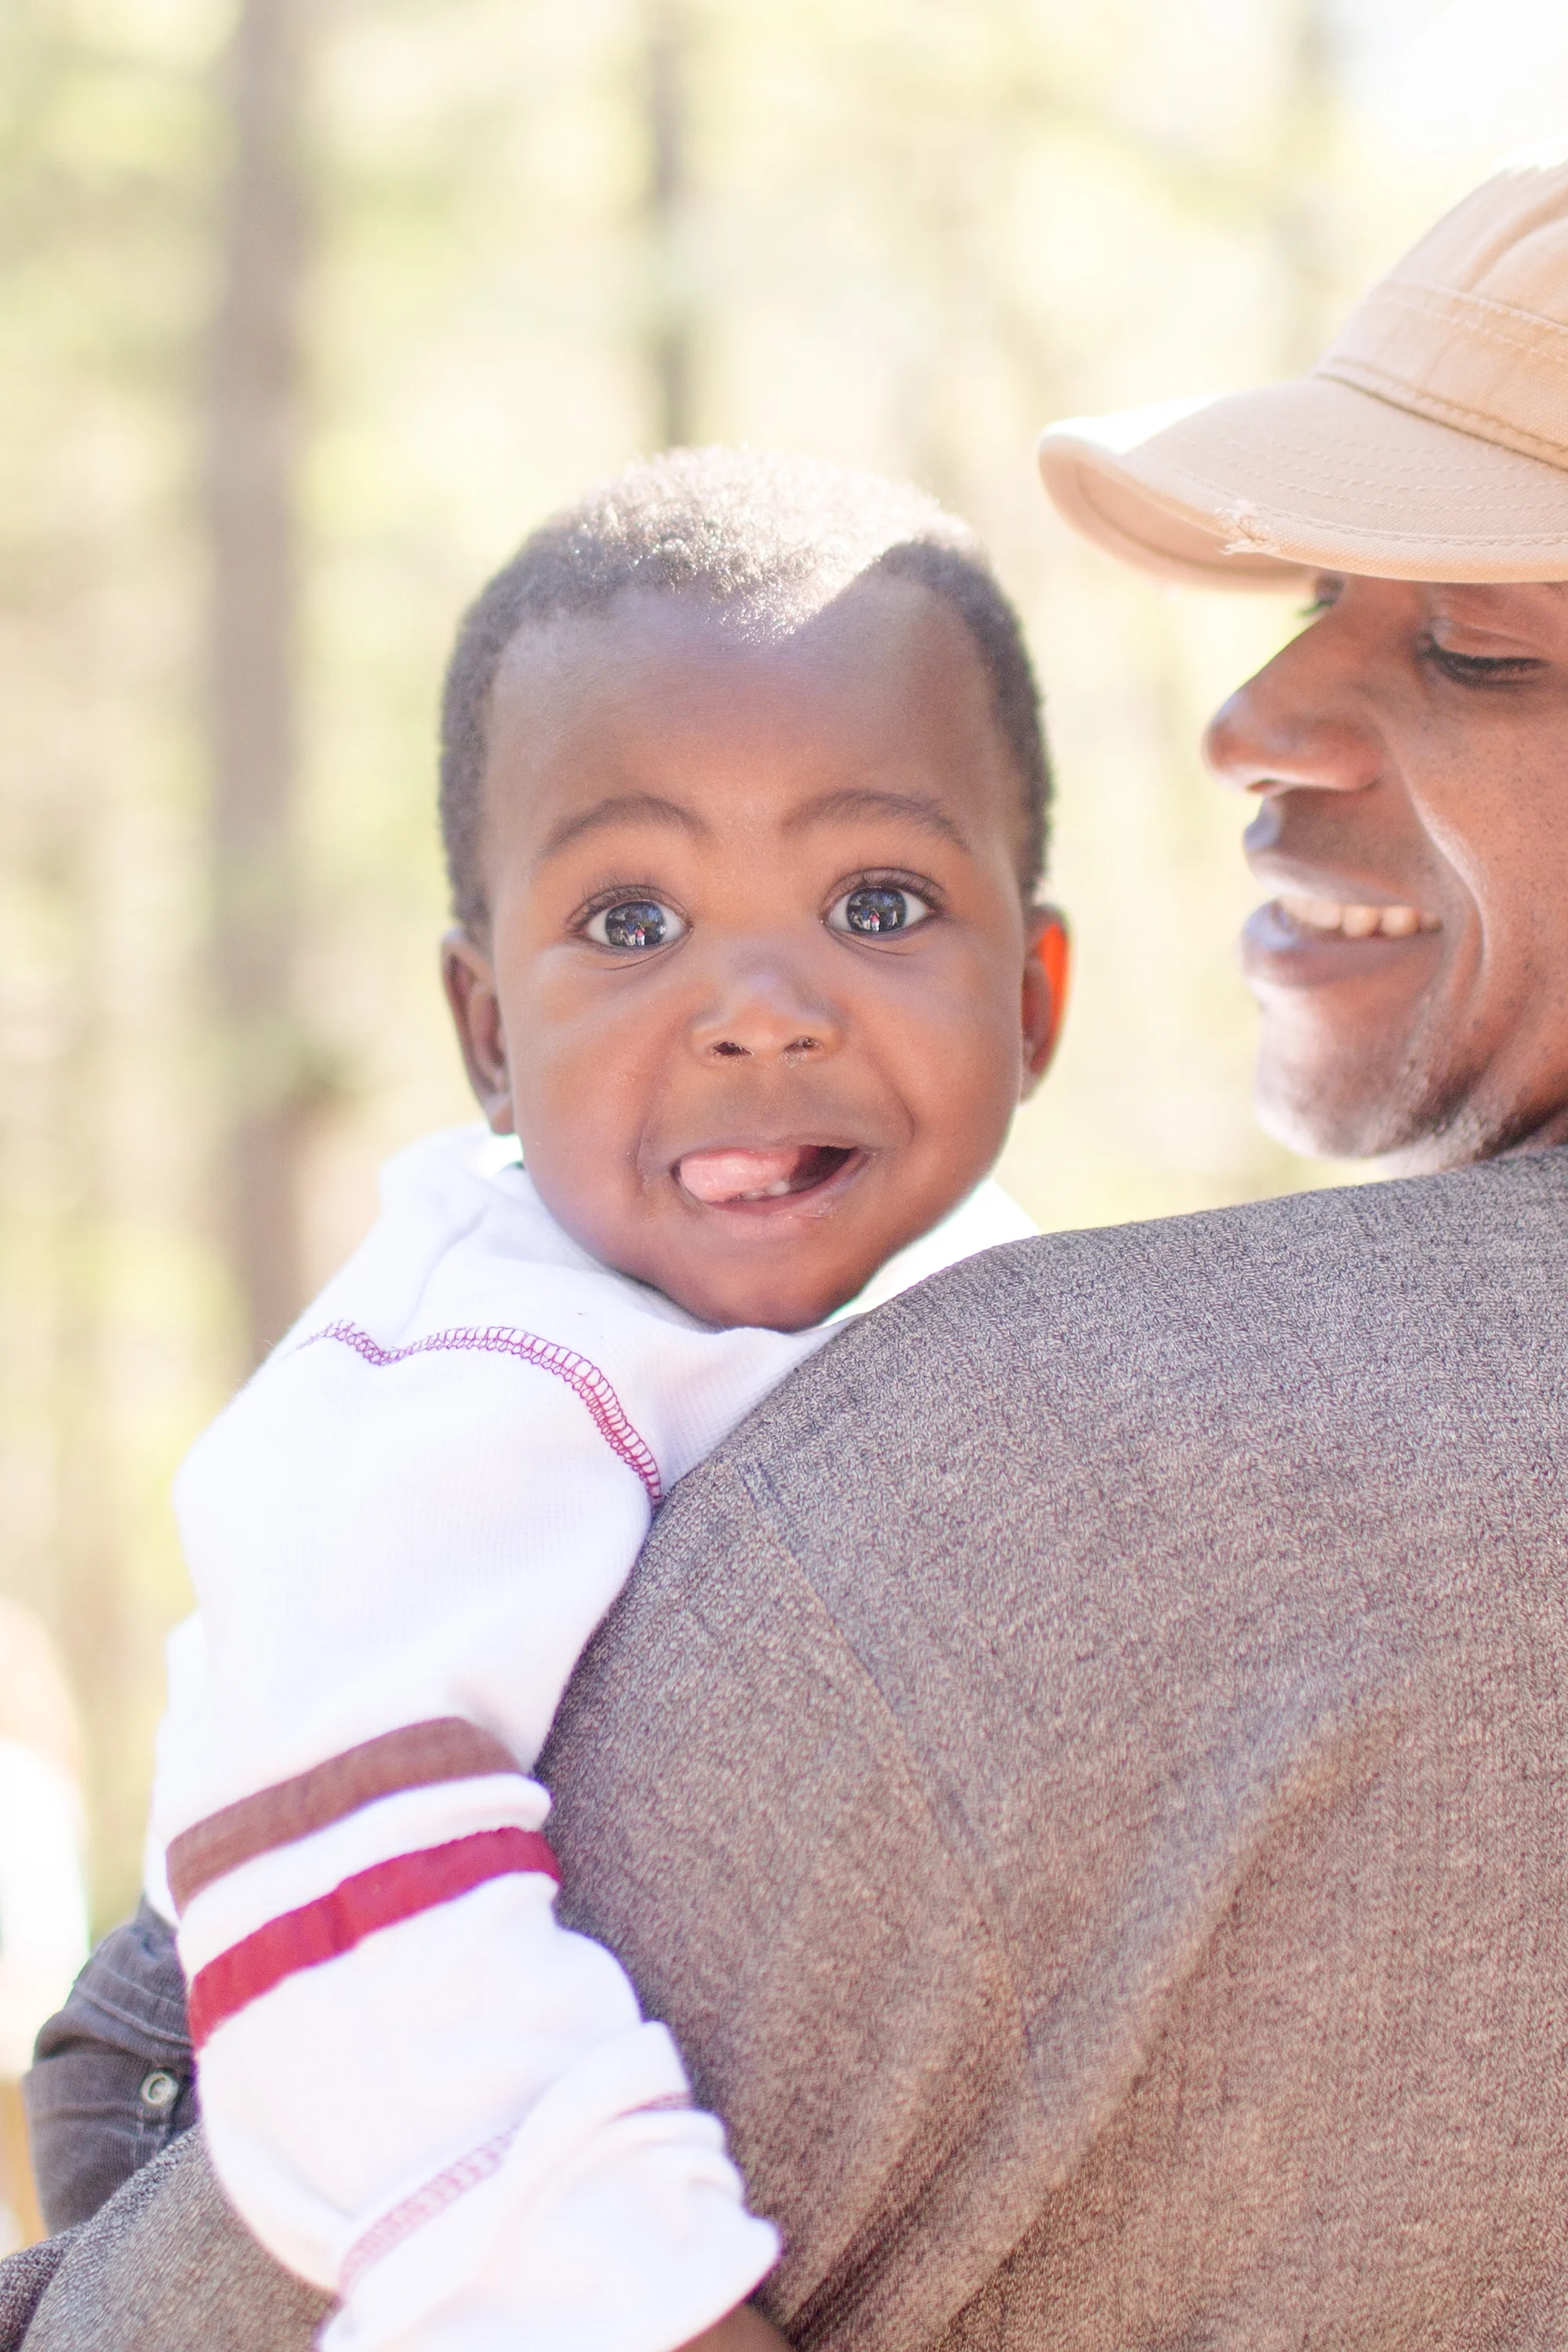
(1330, 919)
(1306, 942)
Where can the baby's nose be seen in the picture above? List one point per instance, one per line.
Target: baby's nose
(764, 1012)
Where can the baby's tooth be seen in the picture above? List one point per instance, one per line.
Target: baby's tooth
(1399, 922)
(1360, 922)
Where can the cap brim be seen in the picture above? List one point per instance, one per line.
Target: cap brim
(1260, 490)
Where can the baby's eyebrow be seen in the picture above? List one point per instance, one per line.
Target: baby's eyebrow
(865, 800)
(649, 808)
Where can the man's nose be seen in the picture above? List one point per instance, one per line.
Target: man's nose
(1286, 731)
(763, 1008)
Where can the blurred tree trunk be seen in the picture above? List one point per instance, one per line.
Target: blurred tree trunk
(254, 459)
(671, 354)
(1311, 299)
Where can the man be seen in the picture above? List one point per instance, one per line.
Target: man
(1099, 1727)
(1407, 749)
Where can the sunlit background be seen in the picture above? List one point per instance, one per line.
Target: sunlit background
(310, 310)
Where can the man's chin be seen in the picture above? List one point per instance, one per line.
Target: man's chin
(1403, 1130)
(1316, 1114)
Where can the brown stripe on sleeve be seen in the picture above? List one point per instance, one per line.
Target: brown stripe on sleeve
(416, 1756)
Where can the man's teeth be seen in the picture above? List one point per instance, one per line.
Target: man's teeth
(1357, 922)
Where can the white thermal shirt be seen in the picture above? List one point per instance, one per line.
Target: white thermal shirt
(420, 2091)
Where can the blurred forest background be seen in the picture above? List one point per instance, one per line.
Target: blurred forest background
(309, 309)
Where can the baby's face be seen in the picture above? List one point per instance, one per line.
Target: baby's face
(758, 991)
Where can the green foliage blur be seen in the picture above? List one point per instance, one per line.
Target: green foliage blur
(906, 233)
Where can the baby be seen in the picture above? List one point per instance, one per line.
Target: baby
(743, 792)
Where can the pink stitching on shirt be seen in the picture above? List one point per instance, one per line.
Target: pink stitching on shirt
(584, 1380)
(428, 2203)
(424, 2205)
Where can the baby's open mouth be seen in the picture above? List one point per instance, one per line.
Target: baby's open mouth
(719, 1178)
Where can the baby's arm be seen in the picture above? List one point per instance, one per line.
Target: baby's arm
(396, 1582)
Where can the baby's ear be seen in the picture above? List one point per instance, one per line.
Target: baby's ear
(469, 978)
(1046, 964)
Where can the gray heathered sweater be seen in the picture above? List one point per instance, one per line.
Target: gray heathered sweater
(1083, 1774)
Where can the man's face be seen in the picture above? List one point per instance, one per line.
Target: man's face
(1409, 752)
(758, 990)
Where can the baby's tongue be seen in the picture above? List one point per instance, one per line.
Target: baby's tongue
(719, 1176)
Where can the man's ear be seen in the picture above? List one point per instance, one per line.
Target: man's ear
(1046, 967)
(469, 981)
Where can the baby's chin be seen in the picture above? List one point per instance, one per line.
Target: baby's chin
(790, 1286)
(786, 1300)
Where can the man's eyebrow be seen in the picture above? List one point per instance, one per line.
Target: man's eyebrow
(865, 800)
(645, 808)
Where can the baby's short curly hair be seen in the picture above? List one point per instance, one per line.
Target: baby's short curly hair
(767, 540)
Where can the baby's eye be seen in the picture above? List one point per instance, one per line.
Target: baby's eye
(876, 907)
(634, 923)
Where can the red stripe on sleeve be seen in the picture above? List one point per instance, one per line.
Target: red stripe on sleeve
(334, 1924)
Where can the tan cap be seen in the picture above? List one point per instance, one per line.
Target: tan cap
(1430, 442)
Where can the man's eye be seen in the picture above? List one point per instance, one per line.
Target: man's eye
(1479, 669)
(634, 923)
(1327, 590)
(875, 908)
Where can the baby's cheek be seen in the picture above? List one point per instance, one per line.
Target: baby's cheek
(961, 1067)
(572, 1110)
(586, 1191)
